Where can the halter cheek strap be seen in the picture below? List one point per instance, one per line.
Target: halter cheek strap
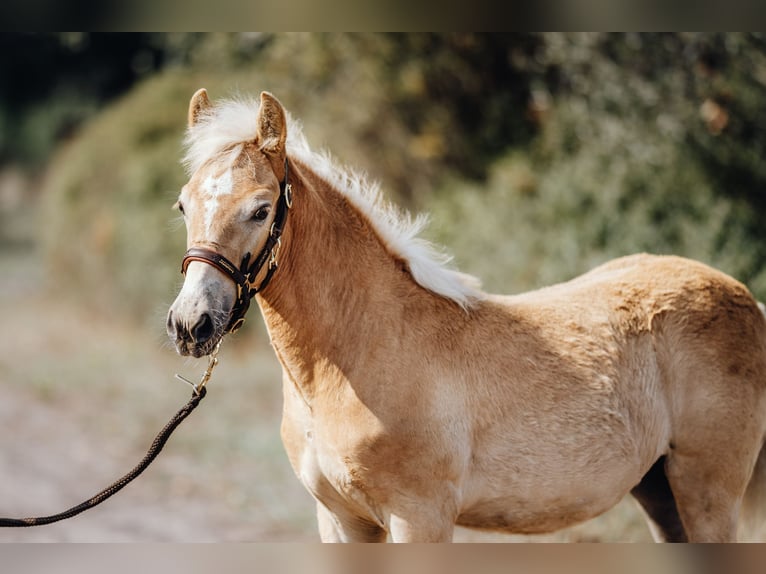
(244, 276)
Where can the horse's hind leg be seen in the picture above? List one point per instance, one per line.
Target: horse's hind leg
(711, 458)
(708, 494)
(656, 498)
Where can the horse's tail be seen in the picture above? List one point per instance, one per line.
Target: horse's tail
(753, 515)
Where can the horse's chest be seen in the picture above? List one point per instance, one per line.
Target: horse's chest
(316, 470)
(321, 466)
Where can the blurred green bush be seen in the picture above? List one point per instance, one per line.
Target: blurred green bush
(539, 156)
(645, 143)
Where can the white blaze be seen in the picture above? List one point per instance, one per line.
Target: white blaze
(215, 187)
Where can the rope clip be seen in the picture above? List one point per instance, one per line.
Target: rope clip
(212, 362)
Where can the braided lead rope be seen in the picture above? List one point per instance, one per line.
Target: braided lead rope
(156, 447)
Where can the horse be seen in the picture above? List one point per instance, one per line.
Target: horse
(414, 401)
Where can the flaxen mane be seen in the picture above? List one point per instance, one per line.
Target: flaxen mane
(223, 129)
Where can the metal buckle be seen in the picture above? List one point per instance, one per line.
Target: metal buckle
(237, 324)
(289, 195)
(273, 263)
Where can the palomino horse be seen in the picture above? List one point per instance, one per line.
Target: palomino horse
(413, 401)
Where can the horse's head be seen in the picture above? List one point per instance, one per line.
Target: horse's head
(229, 206)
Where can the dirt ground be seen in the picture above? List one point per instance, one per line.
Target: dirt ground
(83, 394)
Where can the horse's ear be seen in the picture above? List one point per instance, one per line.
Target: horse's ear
(272, 126)
(198, 104)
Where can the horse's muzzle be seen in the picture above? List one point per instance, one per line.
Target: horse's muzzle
(199, 339)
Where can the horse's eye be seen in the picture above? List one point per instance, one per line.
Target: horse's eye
(261, 214)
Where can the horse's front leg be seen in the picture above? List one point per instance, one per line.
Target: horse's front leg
(430, 519)
(416, 528)
(346, 528)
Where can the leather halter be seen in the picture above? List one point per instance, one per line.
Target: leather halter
(244, 275)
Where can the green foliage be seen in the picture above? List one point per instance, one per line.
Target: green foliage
(540, 220)
(623, 163)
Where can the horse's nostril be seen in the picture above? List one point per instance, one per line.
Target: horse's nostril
(203, 330)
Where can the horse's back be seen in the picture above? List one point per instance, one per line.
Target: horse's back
(649, 283)
(686, 305)
(704, 325)
(646, 293)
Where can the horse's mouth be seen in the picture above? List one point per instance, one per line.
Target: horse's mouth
(197, 350)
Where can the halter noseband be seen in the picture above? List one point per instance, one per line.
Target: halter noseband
(244, 275)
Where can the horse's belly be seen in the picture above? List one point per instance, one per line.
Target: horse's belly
(511, 514)
(542, 498)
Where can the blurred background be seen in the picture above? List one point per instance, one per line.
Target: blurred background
(538, 157)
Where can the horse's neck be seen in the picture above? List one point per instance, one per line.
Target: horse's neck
(336, 287)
